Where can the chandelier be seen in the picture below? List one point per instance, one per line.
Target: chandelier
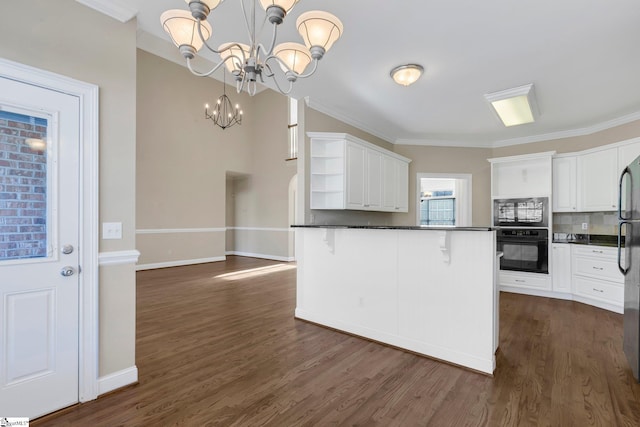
(223, 113)
(250, 63)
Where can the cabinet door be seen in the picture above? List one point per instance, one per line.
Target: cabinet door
(598, 180)
(389, 183)
(561, 267)
(626, 154)
(564, 184)
(355, 176)
(374, 180)
(402, 186)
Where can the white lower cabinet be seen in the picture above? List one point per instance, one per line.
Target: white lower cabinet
(585, 273)
(518, 280)
(599, 290)
(561, 267)
(596, 278)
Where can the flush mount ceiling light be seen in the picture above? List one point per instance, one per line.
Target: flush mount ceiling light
(515, 106)
(407, 74)
(251, 62)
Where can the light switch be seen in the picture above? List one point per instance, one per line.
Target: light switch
(112, 230)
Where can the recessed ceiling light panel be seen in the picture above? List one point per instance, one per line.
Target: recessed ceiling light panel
(515, 106)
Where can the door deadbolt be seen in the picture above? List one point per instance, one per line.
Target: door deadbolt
(67, 271)
(67, 249)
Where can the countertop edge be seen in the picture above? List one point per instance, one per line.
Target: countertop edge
(394, 227)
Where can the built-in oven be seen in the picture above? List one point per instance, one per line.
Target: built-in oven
(525, 212)
(523, 249)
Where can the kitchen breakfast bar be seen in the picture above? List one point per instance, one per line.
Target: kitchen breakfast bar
(431, 291)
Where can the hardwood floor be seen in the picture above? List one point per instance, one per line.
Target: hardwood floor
(217, 345)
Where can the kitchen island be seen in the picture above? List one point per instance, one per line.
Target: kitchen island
(431, 291)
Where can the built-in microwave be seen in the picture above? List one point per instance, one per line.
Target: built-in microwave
(525, 212)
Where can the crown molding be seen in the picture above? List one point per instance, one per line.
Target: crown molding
(444, 143)
(571, 133)
(113, 8)
(313, 104)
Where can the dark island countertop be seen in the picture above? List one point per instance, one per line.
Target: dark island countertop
(394, 227)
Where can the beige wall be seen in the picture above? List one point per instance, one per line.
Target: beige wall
(70, 39)
(186, 168)
(455, 161)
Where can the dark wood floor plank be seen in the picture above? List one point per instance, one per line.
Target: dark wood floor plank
(217, 345)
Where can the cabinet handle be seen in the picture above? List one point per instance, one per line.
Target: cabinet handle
(521, 281)
(597, 252)
(598, 268)
(598, 290)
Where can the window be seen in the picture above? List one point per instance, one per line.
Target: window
(438, 208)
(293, 129)
(443, 199)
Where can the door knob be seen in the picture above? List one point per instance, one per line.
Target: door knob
(67, 271)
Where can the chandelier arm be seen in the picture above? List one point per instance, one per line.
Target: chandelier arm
(241, 82)
(205, 74)
(248, 26)
(313, 70)
(269, 52)
(204, 41)
(299, 76)
(275, 80)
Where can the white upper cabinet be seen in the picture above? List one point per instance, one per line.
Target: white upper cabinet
(355, 168)
(348, 173)
(373, 192)
(598, 180)
(402, 186)
(565, 186)
(521, 176)
(587, 181)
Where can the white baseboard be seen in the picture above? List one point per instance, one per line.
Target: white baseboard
(262, 256)
(117, 380)
(178, 263)
(565, 296)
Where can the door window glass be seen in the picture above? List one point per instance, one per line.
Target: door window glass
(24, 213)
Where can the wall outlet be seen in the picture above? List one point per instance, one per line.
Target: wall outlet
(585, 225)
(112, 230)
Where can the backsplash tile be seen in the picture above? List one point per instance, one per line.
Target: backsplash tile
(599, 223)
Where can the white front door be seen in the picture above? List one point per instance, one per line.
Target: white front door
(39, 250)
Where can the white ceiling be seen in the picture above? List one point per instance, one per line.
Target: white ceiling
(582, 56)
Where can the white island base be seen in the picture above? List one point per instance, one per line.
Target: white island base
(429, 291)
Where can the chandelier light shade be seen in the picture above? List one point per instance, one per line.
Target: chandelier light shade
(407, 74)
(251, 62)
(234, 55)
(211, 4)
(319, 29)
(285, 5)
(183, 30)
(294, 56)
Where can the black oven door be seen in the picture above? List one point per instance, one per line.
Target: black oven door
(523, 253)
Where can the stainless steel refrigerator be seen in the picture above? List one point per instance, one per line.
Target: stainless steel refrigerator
(629, 224)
